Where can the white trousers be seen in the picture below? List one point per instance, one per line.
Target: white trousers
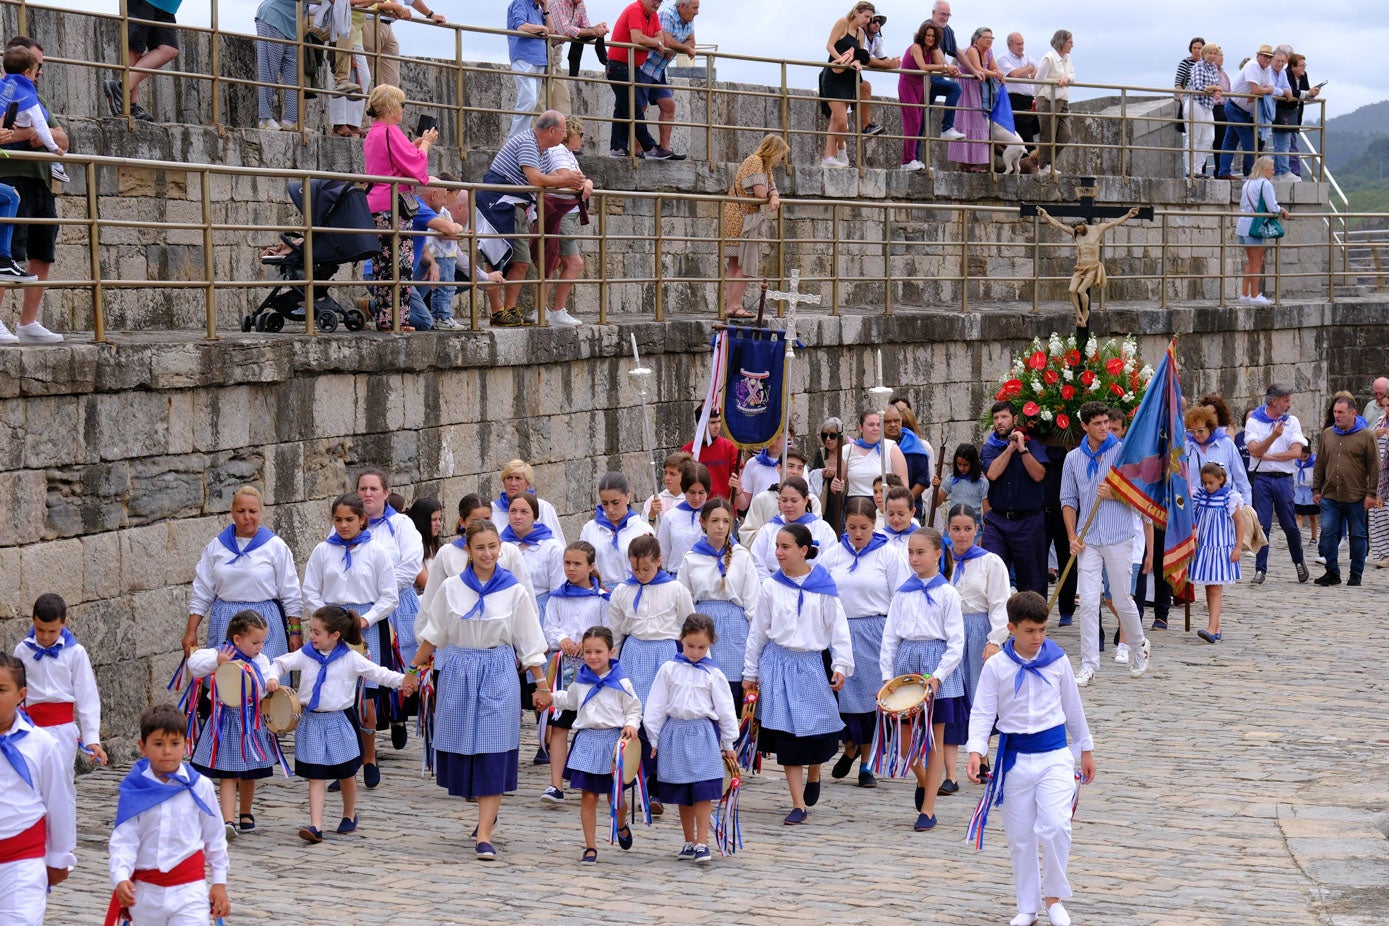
(66, 735)
(23, 892)
(1037, 797)
(527, 78)
(341, 110)
(181, 905)
(1090, 565)
(1202, 135)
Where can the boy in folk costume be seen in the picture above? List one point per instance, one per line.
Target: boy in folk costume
(62, 697)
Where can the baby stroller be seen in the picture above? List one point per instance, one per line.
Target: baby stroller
(336, 204)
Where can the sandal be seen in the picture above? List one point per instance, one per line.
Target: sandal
(247, 823)
(590, 856)
(739, 312)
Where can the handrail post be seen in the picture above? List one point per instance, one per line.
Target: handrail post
(1277, 273)
(857, 125)
(1123, 133)
(834, 262)
(964, 262)
(632, 105)
(209, 264)
(1220, 236)
(125, 67)
(458, 87)
(93, 207)
(720, 294)
(215, 63)
(780, 243)
(1162, 262)
(603, 259)
(395, 258)
(709, 108)
(660, 305)
(543, 283)
(299, 89)
(887, 260)
(785, 113)
(474, 265)
(1331, 260)
(310, 298)
(1036, 256)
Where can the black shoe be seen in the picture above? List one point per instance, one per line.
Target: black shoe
(872, 128)
(812, 793)
(983, 768)
(842, 766)
(920, 798)
(1353, 581)
(947, 787)
(542, 757)
(112, 89)
(371, 775)
(1301, 571)
(1329, 580)
(865, 779)
(400, 735)
(9, 270)
(140, 113)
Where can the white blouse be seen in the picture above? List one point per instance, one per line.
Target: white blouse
(612, 562)
(983, 587)
(544, 563)
(764, 546)
(170, 832)
(912, 617)
(568, 618)
(762, 509)
(863, 468)
(685, 692)
(548, 516)
(866, 591)
(663, 611)
(203, 662)
(607, 711)
(757, 476)
(453, 559)
(399, 537)
(340, 687)
(327, 580)
(677, 531)
(1038, 704)
(700, 574)
(266, 573)
(508, 616)
(820, 625)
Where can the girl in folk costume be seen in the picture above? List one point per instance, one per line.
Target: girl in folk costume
(723, 583)
(1219, 541)
(396, 534)
(575, 607)
(793, 498)
(900, 524)
(326, 744)
(967, 485)
(1307, 510)
(541, 550)
(798, 616)
(613, 527)
(428, 517)
(863, 461)
(350, 571)
(867, 570)
(227, 749)
(246, 567)
(981, 579)
(679, 529)
(519, 479)
(925, 635)
(480, 625)
(452, 557)
(690, 716)
(606, 710)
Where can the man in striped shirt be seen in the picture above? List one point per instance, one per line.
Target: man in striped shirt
(1107, 540)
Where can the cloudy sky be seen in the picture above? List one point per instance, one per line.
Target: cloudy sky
(1137, 44)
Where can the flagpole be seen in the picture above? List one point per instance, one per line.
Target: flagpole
(1060, 580)
(642, 375)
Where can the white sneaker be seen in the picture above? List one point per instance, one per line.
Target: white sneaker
(1057, 915)
(1138, 664)
(833, 162)
(1084, 677)
(269, 125)
(1121, 654)
(35, 333)
(952, 134)
(1045, 169)
(5, 336)
(1023, 919)
(913, 165)
(842, 152)
(1261, 299)
(57, 172)
(562, 318)
(1247, 300)
(1321, 560)
(449, 324)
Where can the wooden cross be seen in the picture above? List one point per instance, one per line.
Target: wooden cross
(793, 297)
(1086, 208)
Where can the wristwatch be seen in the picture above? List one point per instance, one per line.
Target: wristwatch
(1024, 449)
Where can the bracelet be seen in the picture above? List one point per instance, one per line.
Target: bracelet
(413, 670)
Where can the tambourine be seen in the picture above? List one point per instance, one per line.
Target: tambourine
(282, 710)
(630, 753)
(904, 696)
(233, 681)
(732, 775)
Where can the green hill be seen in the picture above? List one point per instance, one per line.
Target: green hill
(1348, 136)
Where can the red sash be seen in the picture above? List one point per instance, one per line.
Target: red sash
(188, 871)
(26, 845)
(50, 713)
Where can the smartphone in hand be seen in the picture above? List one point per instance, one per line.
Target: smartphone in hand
(11, 113)
(426, 123)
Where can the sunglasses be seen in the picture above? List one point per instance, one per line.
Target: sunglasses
(829, 435)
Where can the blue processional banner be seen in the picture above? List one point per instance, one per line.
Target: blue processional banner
(754, 386)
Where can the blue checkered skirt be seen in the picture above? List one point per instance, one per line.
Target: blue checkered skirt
(590, 766)
(860, 692)
(921, 657)
(403, 620)
(541, 600)
(479, 701)
(219, 619)
(326, 745)
(795, 695)
(731, 625)
(236, 749)
(977, 629)
(688, 751)
(642, 659)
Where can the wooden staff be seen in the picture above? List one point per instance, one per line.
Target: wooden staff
(1061, 579)
(935, 489)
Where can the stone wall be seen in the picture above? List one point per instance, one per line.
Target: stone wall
(117, 462)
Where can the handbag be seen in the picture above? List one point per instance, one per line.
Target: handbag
(1266, 227)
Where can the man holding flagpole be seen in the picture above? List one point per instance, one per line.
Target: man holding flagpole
(1275, 441)
(1105, 540)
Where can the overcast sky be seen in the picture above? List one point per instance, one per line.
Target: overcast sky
(1131, 43)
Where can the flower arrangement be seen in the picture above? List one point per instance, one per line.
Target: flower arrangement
(1049, 383)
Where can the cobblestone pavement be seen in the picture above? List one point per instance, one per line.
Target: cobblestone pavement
(1238, 783)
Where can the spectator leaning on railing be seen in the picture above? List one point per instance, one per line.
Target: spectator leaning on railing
(529, 56)
(434, 264)
(1287, 120)
(1053, 100)
(571, 21)
(677, 35)
(379, 38)
(1255, 80)
(941, 86)
(562, 220)
(637, 25)
(1183, 82)
(1206, 95)
(278, 63)
(1019, 67)
(877, 58)
(151, 46)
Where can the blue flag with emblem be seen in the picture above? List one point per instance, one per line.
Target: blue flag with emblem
(754, 387)
(1150, 471)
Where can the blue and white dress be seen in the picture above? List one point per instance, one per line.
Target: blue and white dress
(690, 716)
(1215, 537)
(725, 588)
(646, 621)
(240, 752)
(480, 631)
(925, 635)
(601, 711)
(362, 579)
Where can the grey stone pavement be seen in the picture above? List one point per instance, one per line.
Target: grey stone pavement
(1238, 783)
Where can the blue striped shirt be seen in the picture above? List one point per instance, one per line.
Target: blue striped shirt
(1114, 521)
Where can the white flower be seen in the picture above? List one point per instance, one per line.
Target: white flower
(1128, 367)
(1128, 397)
(1095, 386)
(1046, 414)
(1055, 345)
(1037, 386)
(1146, 373)
(1067, 375)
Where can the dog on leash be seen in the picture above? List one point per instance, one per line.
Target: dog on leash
(1014, 150)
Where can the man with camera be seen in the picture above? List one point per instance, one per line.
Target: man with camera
(1015, 527)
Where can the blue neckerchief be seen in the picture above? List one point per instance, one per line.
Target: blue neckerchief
(1092, 467)
(914, 584)
(996, 442)
(227, 538)
(661, 578)
(765, 458)
(703, 548)
(685, 506)
(250, 661)
(600, 517)
(1302, 466)
(1359, 424)
(878, 446)
(973, 552)
(9, 748)
(324, 660)
(501, 579)
(336, 540)
(504, 500)
(65, 640)
(25, 94)
(1261, 414)
(703, 664)
(613, 680)
(1046, 655)
(539, 533)
(808, 518)
(385, 519)
(911, 443)
(1216, 437)
(818, 580)
(912, 528)
(139, 792)
(875, 542)
(570, 590)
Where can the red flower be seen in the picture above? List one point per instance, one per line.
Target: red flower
(1051, 377)
(1030, 409)
(1037, 361)
(1087, 377)
(1013, 387)
(1064, 421)
(1114, 365)
(1072, 358)
(1001, 394)
(1116, 389)
(1068, 392)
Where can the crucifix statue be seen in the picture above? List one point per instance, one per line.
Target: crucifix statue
(793, 297)
(1089, 271)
